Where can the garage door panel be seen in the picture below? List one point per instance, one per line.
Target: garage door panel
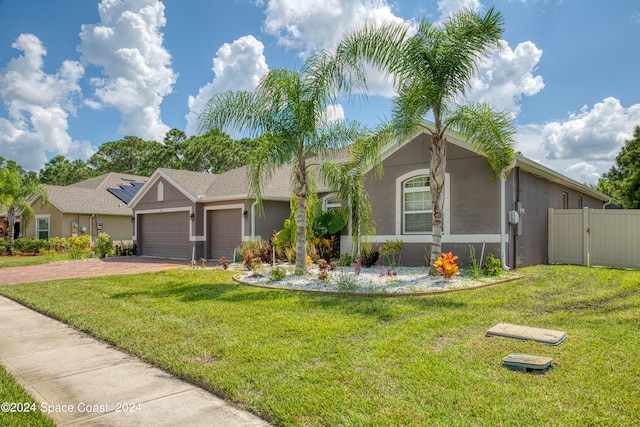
(165, 235)
(224, 232)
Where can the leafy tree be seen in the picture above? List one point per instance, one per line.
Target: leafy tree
(215, 152)
(16, 189)
(126, 155)
(622, 181)
(431, 69)
(62, 171)
(289, 111)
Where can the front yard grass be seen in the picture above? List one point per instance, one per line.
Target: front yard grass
(22, 409)
(300, 359)
(21, 261)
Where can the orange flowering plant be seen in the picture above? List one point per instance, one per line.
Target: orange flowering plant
(447, 266)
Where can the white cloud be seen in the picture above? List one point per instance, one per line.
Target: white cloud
(128, 45)
(447, 7)
(319, 24)
(585, 145)
(236, 66)
(508, 75)
(38, 106)
(591, 134)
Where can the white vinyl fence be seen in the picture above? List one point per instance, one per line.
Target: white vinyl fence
(595, 237)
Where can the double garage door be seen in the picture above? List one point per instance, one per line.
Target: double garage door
(165, 235)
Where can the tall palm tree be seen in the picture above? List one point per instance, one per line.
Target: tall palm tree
(16, 191)
(289, 111)
(432, 67)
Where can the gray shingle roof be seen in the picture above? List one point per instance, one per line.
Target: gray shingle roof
(91, 196)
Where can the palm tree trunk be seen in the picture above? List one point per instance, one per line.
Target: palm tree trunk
(436, 184)
(11, 231)
(301, 241)
(301, 218)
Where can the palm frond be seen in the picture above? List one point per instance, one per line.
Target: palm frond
(490, 132)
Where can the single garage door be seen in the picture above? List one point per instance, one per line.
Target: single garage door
(165, 235)
(224, 232)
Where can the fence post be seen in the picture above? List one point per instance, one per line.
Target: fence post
(586, 237)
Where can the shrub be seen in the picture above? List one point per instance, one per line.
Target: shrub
(29, 245)
(77, 245)
(125, 249)
(3, 243)
(104, 245)
(262, 249)
(492, 266)
(447, 266)
(369, 259)
(58, 244)
(251, 261)
(224, 262)
(277, 274)
(345, 260)
(474, 266)
(390, 249)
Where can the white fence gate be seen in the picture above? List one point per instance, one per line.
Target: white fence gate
(595, 237)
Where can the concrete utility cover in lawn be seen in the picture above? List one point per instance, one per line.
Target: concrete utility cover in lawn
(527, 363)
(526, 333)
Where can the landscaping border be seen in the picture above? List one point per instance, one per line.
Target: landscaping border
(237, 279)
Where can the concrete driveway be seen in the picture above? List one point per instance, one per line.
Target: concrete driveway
(86, 268)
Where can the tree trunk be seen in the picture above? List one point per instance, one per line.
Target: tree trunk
(12, 229)
(438, 151)
(301, 218)
(301, 240)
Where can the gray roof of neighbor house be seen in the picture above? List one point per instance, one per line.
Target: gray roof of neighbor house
(229, 185)
(95, 195)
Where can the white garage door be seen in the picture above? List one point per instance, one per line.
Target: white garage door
(165, 235)
(224, 232)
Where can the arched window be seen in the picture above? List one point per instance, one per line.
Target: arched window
(331, 203)
(416, 206)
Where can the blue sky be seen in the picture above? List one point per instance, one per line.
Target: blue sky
(77, 73)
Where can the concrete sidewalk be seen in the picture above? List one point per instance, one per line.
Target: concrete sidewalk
(83, 381)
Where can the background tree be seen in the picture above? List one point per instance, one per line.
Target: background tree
(62, 171)
(16, 189)
(126, 155)
(216, 152)
(432, 69)
(622, 181)
(288, 110)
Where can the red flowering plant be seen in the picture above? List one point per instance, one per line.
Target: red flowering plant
(447, 266)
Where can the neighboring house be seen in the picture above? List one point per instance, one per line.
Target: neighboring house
(87, 208)
(183, 214)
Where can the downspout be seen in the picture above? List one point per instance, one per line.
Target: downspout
(503, 217)
(503, 224)
(253, 220)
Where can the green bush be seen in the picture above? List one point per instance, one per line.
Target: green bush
(28, 245)
(345, 260)
(104, 246)
(277, 273)
(492, 266)
(58, 244)
(77, 245)
(3, 244)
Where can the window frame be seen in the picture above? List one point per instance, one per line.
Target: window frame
(400, 214)
(46, 218)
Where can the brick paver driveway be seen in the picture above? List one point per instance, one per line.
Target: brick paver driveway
(85, 268)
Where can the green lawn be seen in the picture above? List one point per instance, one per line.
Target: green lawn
(24, 411)
(21, 261)
(317, 360)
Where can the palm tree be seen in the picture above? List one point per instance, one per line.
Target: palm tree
(289, 112)
(432, 67)
(16, 191)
